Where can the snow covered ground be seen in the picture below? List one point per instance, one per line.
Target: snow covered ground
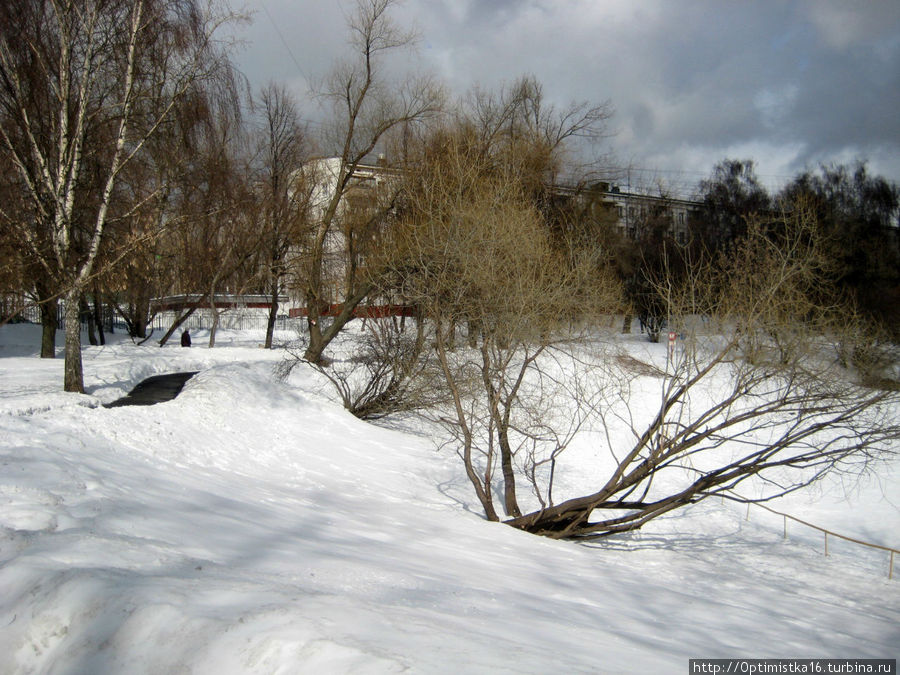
(253, 526)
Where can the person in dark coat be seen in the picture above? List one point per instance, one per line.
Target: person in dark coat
(185, 339)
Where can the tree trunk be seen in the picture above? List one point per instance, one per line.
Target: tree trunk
(273, 315)
(510, 502)
(175, 325)
(318, 339)
(481, 485)
(136, 327)
(49, 326)
(98, 315)
(501, 424)
(139, 313)
(313, 320)
(451, 336)
(420, 329)
(215, 316)
(85, 312)
(316, 344)
(214, 327)
(74, 375)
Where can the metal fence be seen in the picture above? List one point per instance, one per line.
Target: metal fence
(826, 533)
(229, 320)
(112, 321)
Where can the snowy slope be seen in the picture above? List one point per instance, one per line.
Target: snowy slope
(252, 526)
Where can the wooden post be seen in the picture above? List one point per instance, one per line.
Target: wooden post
(825, 534)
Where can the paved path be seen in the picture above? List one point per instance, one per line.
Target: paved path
(155, 389)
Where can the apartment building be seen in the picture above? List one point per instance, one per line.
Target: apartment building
(373, 187)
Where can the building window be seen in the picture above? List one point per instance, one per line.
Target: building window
(620, 212)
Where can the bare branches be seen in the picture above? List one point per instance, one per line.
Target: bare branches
(752, 392)
(286, 197)
(473, 250)
(366, 107)
(519, 117)
(80, 104)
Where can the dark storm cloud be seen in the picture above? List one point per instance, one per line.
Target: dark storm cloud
(784, 82)
(849, 97)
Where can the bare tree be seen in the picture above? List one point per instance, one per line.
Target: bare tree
(158, 180)
(474, 250)
(469, 244)
(752, 391)
(366, 107)
(216, 246)
(388, 371)
(286, 190)
(517, 124)
(83, 87)
(651, 255)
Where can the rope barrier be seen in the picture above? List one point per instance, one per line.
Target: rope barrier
(823, 530)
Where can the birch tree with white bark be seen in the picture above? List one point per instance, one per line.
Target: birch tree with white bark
(84, 85)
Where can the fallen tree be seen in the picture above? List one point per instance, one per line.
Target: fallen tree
(755, 387)
(752, 389)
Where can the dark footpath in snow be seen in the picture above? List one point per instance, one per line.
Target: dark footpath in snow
(155, 389)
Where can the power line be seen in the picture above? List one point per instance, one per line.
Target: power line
(281, 37)
(686, 181)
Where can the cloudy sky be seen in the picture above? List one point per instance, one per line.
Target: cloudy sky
(787, 83)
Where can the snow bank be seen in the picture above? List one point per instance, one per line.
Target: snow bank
(251, 526)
